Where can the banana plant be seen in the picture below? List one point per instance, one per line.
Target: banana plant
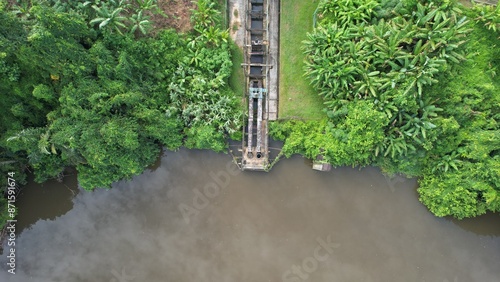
(145, 5)
(110, 19)
(140, 22)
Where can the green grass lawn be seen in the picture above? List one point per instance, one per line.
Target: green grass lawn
(297, 98)
(237, 78)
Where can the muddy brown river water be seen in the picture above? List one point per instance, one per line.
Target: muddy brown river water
(195, 217)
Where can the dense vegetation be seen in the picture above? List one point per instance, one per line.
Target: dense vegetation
(83, 85)
(403, 88)
(410, 86)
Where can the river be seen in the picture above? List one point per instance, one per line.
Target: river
(195, 217)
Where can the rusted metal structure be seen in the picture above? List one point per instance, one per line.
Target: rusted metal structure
(255, 153)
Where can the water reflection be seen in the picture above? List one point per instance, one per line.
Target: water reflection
(292, 224)
(488, 224)
(45, 201)
(157, 163)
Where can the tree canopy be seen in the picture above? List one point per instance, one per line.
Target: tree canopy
(82, 86)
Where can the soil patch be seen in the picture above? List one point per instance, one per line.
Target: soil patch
(178, 14)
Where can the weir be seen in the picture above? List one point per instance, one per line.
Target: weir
(260, 68)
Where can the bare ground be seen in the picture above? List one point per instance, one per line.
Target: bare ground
(178, 14)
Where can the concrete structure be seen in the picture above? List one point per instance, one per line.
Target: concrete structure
(273, 34)
(261, 71)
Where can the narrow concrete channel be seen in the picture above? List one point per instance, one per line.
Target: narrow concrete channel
(257, 35)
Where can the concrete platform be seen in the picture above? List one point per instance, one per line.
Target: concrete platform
(273, 92)
(255, 28)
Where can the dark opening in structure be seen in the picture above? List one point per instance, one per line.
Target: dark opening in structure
(257, 59)
(256, 24)
(255, 70)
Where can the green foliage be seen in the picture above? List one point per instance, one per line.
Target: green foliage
(354, 56)
(302, 137)
(109, 130)
(110, 18)
(100, 172)
(350, 142)
(199, 88)
(344, 12)
(205, 15)
(44, 92)
(399, 92)
(114, 16)
(18, 76)
(488, 15)
(467, 192)
(349, 60)
(105, 102)
(205, 137)
(237, 74)
(462, 178)
(4, 213)
(140, 22)
(386, 8)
